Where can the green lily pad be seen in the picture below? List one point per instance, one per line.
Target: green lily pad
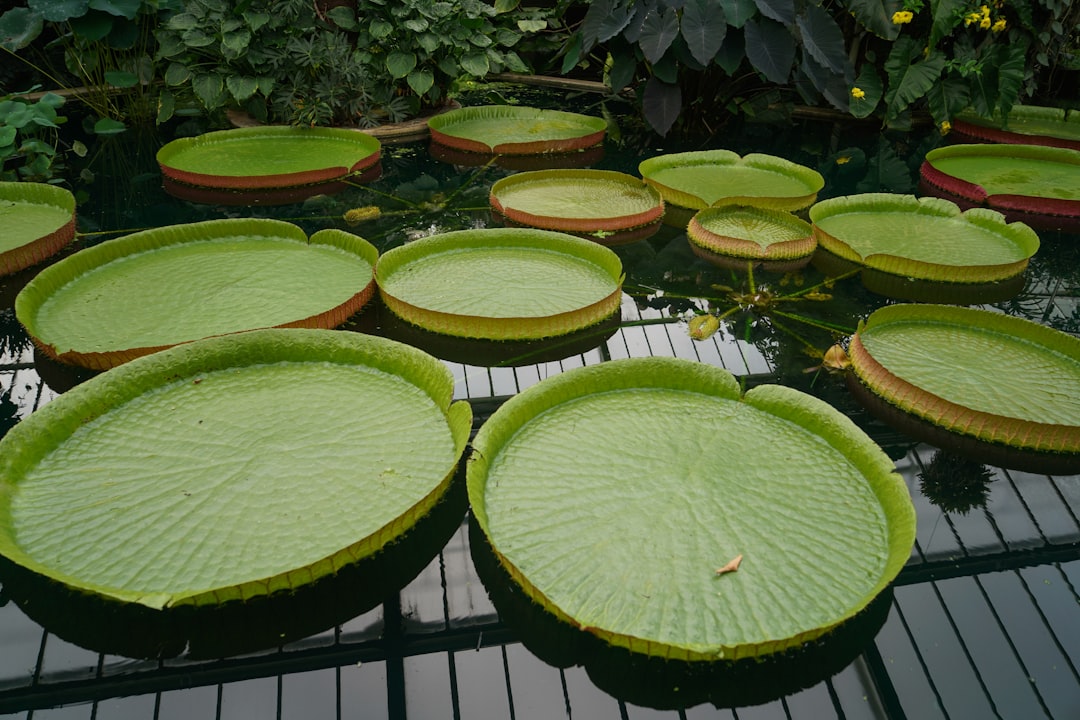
(267, 157)
(602, 205)
(711, 178)
(1000, 380)
(736, 235)
(1035, 184)
(923, 238)
(150, 290)
(633, 535)
(231, 468)
(501, 284)
(516, 130)
(1025, 124)
(37, 220)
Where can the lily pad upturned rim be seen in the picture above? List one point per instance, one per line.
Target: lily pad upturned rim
(581, 177)
(49, 427)
(55, 277)
(887, 203)
(502, 328)
(1024, 124)
(991, 428)
(812, 415)
(443, 131)
(811, 179)
(366, 153)
(707, 230)
(51, 240)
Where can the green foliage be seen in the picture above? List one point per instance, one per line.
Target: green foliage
(286, 60)
(28, 138)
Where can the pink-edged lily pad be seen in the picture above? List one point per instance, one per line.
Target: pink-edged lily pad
(516, 130)
(738, 236)
(1024, 125)
(36, 221)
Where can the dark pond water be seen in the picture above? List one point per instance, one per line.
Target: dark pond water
(982, 622)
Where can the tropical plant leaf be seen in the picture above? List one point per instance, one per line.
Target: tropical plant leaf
(604, 20)
(476, 64)
(209, 88)
(732, 52)
(59, 10)
(505, 6)
(869, 86)
(1011, 69)
(177, 74)
(886, 172)
(703, 27)
(121, 79)
(93, 25)
(19, 27)
(399, 64)
(908, 80)
(944, 14)
(821, 37)
(831, 86)
(241, 87)
(661, 104)
(948, 97)
(738, 12)
(623, 65)
(876, 16)
(782, 11)
(421, 80)
(770, 49)
(657, 33)
(121, 8)
(344, 17)
(108, 126)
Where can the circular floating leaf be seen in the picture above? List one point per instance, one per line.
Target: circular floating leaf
(711, 178)
(738, 235)
(501, 284)
(1000, 380)
(515, 130)
(1039, 185)
(710, 526)
(1025, 124)
(267, 157)
(150, 290)
(923, 238)
(230, 468)
(602, 205)
(37, 221)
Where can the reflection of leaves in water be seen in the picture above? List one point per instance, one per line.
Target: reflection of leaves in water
(9, 412)
(13, 339)
(955, 484)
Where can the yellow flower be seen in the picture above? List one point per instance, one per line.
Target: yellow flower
(971, 18)
(843, 160)
(945, 127)
(985, 11)
(857, 93)
(985, 23)
(998, 26)
(356, 216)
(902, 17)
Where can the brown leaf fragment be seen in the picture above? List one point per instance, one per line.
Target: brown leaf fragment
(731, 566)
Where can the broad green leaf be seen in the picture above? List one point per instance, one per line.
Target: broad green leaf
(30, 212)
(514, 63)
(604, 20)
(865, 94)
(344, 17)
(124, 34)
(770, 49)
(738, 12)
(782, 11)
(661, 104)
(121, 8)
(241, 87)
(166, 106)
(121, 79)
(822, 39)
(255, 20)
(1011, 68)
(399, 64)
(177, 74)
(944, 14)
(623, 66)
(703, 27)
(531, 26)
(59, 10)
(476, 64)
(876, 16)
(93, 26)
(512, 129)
(947, 98)
(910, 76)
(380, 29)
(657, 33)
(421, 80)
(573, 53)
(19, 27)
(51, 100)
(197, 38)
(732, 52)
(418, 24)
(505, 6)
(1033, 171)
(886, 172)
(7, 135)
(832, 87)
(210, 89)
(108, 126)
(235, 44)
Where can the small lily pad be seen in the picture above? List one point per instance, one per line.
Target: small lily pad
(268, 157)
(516, 130)
(231, 468)
(923, 238)
(150, 290)
(37, 220)
(602, 205)
(1002, 389)
(621, 533)
(711, 178)
(734, 236)
(501, 284)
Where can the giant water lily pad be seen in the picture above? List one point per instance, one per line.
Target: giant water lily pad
(710, 178)
(1003, 389)
(923, 238)
(267, 157)
(516, 130)
(636, 535)
(501, 284)
(230, 468)
(1025, 124)
(1035, 184)
(603, 205)
(150, 290)
(36, 221)
(734, 236)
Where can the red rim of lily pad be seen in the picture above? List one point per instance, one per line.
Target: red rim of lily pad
(516, 130)
(544, 161)
(1024, 125)
(269, 156)
(737, 235)
(982, 187)
(586, 199)
(963, 379)
(264, 196)
(51, 211)
(105, 285)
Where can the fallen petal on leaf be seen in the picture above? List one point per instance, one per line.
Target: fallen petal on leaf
(732, 566)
